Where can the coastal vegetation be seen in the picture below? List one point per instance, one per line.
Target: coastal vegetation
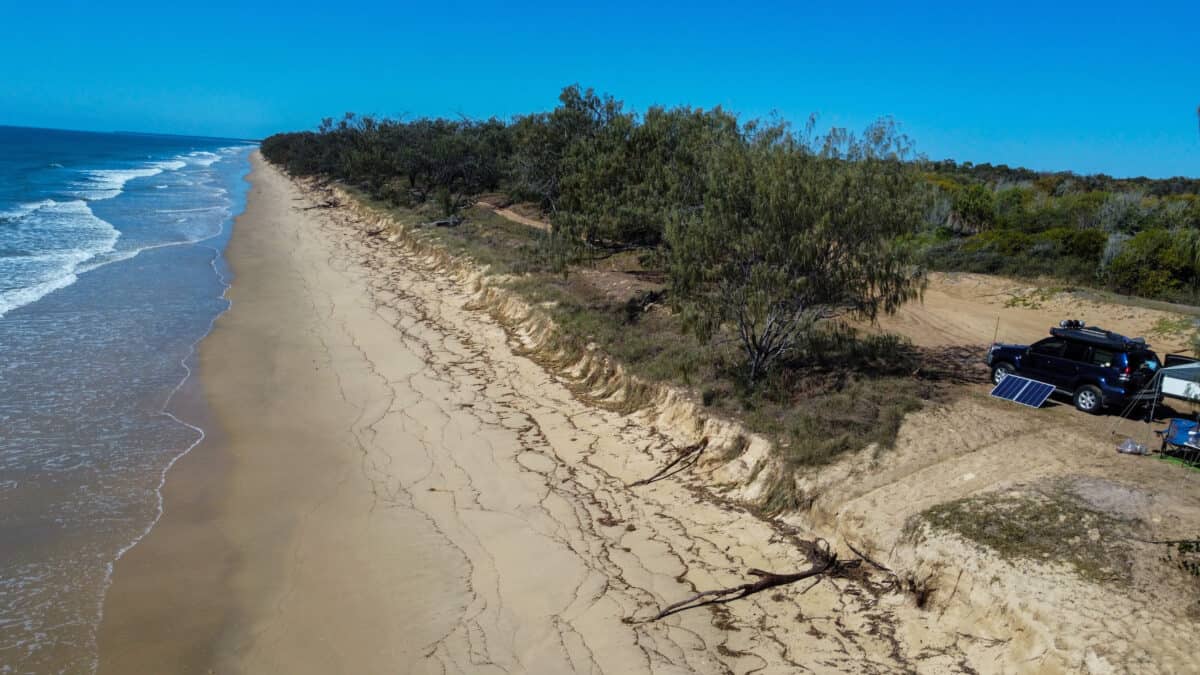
(610, 180)
(755, 237)
(1134, 236)
(756, 227)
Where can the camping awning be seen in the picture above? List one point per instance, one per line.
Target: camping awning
(1182, 381)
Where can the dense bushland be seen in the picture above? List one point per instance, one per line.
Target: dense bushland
(610, 180)
(761, 229)
(1134, 236)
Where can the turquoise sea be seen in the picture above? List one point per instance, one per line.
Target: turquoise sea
(110, 273)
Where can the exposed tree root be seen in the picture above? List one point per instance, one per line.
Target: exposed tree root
(867, 560)
(684, 460)
(823, 562)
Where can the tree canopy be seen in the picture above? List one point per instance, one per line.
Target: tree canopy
(795, 230)
(762, 231)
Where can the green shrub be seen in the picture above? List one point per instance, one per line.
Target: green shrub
(976, 206)
(1003, 242)
(1086, 245)
(1151, 264)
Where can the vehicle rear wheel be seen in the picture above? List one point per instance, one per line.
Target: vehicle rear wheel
(1089, 399)
(1000, 371)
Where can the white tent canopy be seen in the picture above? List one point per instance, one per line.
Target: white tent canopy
(1182, 381)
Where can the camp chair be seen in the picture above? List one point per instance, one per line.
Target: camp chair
(1181, 435)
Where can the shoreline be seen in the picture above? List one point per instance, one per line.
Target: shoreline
(195, 494)
(183, 403)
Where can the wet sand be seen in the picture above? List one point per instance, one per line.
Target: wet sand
(390, 488)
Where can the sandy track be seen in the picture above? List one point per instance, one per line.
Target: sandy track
(971, 309)
(515, 217)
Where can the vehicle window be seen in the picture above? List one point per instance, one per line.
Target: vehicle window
(1147, 360)
(1102, 357)
(1075, 351)
(1049, 347)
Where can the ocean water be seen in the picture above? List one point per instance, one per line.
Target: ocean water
(110, 273)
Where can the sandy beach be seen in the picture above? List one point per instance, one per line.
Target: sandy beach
(391, 489)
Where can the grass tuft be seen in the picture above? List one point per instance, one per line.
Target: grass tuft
(1047, 524)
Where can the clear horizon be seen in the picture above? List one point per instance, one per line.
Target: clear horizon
(1070, 87)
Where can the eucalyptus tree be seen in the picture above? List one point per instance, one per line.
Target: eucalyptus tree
(795, 230)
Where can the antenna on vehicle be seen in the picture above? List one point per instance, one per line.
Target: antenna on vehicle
(996, 335)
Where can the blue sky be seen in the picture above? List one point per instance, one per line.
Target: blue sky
(1050, 85)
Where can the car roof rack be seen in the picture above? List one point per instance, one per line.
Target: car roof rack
(1076, 330)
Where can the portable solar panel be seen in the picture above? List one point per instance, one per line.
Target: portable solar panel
(1023, 390)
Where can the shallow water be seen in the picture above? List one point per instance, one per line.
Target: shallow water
(110, 272)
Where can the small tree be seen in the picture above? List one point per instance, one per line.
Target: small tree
(795, 231)
(975, 205)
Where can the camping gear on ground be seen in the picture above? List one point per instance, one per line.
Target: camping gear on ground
(1023, 390)
(1132, 447)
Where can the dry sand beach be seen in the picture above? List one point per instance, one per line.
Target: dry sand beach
(394, 485)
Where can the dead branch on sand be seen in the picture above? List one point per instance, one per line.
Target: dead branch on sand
(823, 561)
(327, 204)
(685, 459)
(867, 560)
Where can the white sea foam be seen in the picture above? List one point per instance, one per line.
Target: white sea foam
(59, 238)
(18, 297)
(108, 183)
(200, 209)
(22, 210)
(64, 239)
(201, 158)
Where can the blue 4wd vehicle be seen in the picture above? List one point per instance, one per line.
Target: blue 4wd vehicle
(1095, 367)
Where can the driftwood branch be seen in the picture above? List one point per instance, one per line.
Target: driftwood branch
(684, 460)
(867, 560)
(822, 561)
(327, 204)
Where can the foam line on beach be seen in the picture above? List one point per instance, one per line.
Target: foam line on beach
(226, 284)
